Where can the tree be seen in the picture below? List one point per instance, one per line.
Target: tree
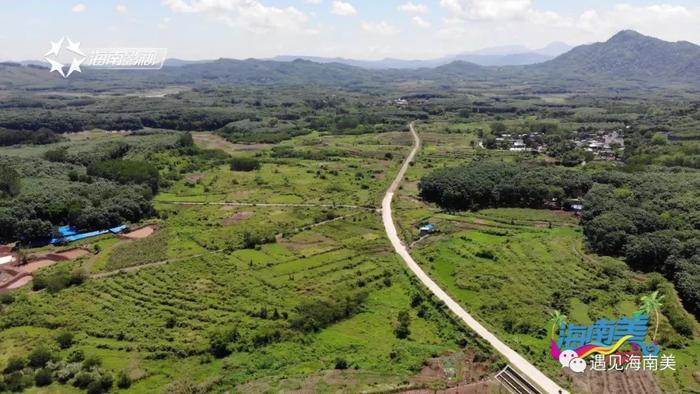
(65, 340)
(33, 229)
(557, 320)
(186, 140)
(126, 172)
(57, 155)
(651, 303)
(403, 329)
(9, 181)
(244, 164)
(498, 127)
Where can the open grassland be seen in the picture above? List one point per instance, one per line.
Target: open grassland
(309, 169)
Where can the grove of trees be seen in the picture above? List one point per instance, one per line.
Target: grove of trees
(653, 220)
(494, 184)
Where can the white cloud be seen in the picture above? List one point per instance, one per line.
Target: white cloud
(413, 8)
(420, 22)
(493, 23)
(487, 9)
(80, 7)
(664, 20)
(246, 14)
(381, 28)
(343, 8)
(121, 9)
(313, 1)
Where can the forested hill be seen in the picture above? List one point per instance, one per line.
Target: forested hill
(628, 57)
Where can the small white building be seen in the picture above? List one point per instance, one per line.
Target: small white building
(7, 259)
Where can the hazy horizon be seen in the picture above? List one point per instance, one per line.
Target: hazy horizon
(352, 29)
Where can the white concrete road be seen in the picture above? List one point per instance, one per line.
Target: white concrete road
(516, 360)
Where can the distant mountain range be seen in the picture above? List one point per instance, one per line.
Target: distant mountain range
(499, 56)
(628, 58)
(630, 55)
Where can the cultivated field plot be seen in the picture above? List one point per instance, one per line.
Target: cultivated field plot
(157, 322)
(511, 267)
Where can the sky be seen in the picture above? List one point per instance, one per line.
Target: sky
(359, 29)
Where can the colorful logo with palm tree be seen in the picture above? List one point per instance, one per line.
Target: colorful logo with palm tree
(605, 337)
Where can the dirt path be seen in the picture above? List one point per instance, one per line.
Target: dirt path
(269, 205)
(516, 360)
(102, 275)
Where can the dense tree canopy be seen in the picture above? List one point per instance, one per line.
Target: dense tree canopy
(127, 171)
(491, 184)
(40, 137)
(649, 218)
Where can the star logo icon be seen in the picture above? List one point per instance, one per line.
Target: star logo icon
(52, 57)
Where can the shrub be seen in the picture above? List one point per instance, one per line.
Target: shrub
(6, 299)
(65, 340)
(65, 372)
(76, 356)
(84, 379)
(42, 377)
(123, 381)
(341, 363)
(15, 363)
(17, 381)
(486, 254)
(39, 357)
(95, 387)
(245, 164)
(92, 362)
(106, 381)
(219, 342)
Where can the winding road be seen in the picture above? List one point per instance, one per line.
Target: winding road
(516, 360)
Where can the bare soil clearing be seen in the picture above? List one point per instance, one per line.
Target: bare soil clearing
(37, 265)
(140, 233)
(72, 254)
(239, 217)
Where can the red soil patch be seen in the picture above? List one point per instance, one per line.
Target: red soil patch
(486, 387)
(239, 217)
(197, 176)
(5, 276)
(140, 233)
(19, 282)
(9, 277)
(72, 254)
(36, 265)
